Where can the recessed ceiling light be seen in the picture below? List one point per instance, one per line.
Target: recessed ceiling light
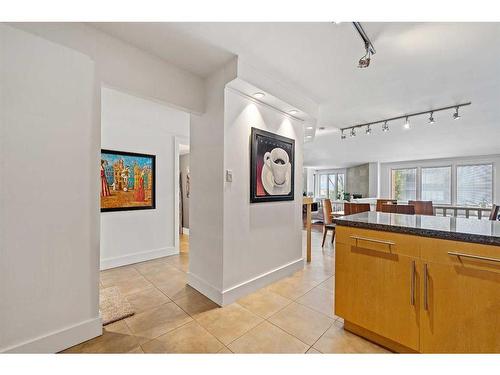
(309, 128)
(293, 112)
(309, 136)
(259, 95)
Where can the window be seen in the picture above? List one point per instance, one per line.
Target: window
(331, 185)
(436, 185)
(475, 185)
(323, 187)
(404, 184)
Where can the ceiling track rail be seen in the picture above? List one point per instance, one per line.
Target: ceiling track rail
(406, 116)
(366, 40)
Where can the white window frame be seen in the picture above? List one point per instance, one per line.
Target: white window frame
(453, 176)
(475, 165)
(417, 180)
(317, 182)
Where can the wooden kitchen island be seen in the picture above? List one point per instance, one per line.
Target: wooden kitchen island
(417, 283)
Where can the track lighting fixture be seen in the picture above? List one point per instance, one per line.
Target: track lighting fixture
(385, 126)
(431, 118)
(364, 61)
(407, 123)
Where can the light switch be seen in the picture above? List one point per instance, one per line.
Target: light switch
(229, 175)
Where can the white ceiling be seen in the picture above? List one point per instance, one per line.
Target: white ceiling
(418, 66)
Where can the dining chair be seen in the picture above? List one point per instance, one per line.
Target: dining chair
(381, 202)
(355, 208)
(399, 209)
(495, 213)
(422, 207)
(327, 220)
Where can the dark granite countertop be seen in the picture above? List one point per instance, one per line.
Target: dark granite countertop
(448, 228)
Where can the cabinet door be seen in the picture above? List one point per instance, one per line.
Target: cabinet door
(463, 307)
(378, 290)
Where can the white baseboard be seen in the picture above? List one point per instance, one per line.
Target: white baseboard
(205, 288)
(56, 341)
(238, 291)
(185, 231)
(137, 257)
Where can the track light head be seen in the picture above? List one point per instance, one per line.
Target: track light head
(342, 135)
(353, 132)
(368, 130)
(385, 127)
(407, 123)
(456, 116)
(431, 118)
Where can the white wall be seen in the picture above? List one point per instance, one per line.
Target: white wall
(133, 124)
(374, 180)
(236, 247)
(124, 67)
(385, 171)
(260, 239)
(206, 155)
(49, 206)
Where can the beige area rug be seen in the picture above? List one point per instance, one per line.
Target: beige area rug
(114, 306)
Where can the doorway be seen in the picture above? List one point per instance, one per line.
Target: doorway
(184, 194)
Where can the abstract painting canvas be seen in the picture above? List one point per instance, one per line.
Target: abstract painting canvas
(272, 167)
(127, 181)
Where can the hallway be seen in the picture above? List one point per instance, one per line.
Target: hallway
(293, 315)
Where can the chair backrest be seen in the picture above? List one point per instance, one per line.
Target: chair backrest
(327, 211)
(495, 213)
(381, 202)
(399, 209)
(355, 208)
(422, 207)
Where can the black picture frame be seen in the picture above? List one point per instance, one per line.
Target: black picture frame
(260, 139)
(153, 182)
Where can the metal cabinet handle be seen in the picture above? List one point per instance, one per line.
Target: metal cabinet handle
(412, 290)
(390, 243)
(462, 255)
(426, 287)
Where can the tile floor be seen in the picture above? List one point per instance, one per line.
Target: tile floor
(293, 315)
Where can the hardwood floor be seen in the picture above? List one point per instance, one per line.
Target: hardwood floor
(293, 315)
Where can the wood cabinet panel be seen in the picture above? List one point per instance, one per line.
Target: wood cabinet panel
(373, 289)
(436, 250)
(463, 314)
(395, 243)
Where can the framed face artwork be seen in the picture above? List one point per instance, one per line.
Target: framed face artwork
(272, 165)
(127, 181)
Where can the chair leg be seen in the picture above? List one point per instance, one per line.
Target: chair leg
(333, 235)
(324, 236)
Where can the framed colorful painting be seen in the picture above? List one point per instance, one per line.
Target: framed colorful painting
(127, 181)
(272, 165)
